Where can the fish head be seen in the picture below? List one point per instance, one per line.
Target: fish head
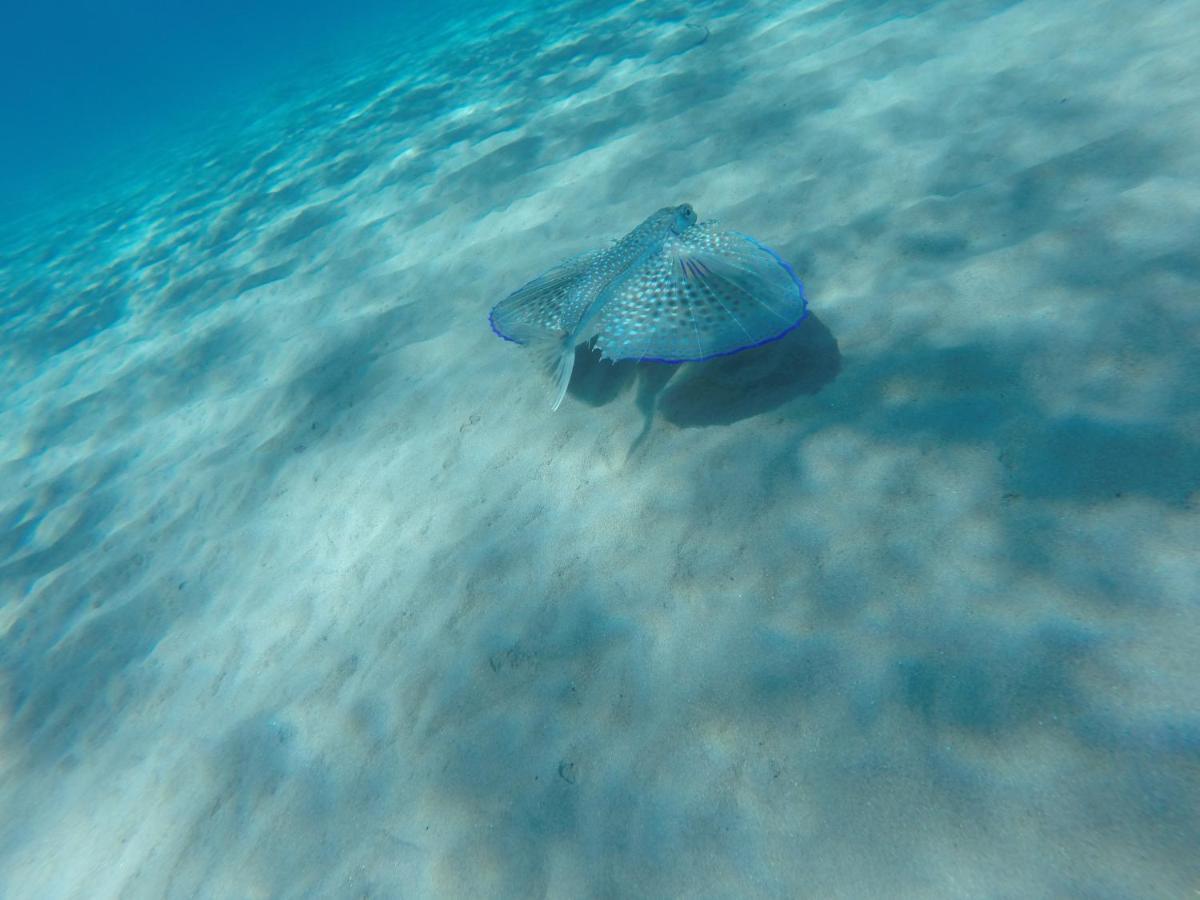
(684, 218)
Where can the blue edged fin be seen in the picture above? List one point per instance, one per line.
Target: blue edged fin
(707, 293)
(540, 303)
(539, 315)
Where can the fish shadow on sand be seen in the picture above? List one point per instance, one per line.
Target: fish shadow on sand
(720, 391)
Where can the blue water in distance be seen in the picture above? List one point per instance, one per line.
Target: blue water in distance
(82, 83)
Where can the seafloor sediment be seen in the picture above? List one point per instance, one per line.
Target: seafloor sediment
(304, 592)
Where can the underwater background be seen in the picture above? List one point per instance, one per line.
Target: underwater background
(305, 591)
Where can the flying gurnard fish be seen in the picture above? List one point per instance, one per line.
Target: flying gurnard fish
(673, 290)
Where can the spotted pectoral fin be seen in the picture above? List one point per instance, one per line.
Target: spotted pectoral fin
(706, 293)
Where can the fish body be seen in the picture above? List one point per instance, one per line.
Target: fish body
(611, 269)
(672, 290)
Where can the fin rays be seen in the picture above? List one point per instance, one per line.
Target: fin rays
(682, 293)
(541, 303)
(704, 295)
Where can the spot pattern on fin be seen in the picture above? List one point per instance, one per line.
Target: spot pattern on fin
(707, 293)
(672, 290)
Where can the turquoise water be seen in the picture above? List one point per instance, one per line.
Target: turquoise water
(304, 590)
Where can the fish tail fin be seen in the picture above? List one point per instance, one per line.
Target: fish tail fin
(555, 353)
(563, 367)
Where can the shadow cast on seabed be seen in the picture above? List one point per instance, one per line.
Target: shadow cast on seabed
(717, 392)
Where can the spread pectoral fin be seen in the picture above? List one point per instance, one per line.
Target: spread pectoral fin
(706, 293)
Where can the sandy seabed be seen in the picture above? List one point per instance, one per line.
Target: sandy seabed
(305, 592)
